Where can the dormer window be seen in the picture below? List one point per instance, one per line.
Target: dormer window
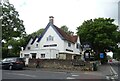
(69, 44)
(50, 38)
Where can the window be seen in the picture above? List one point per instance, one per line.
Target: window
(28, 48)
(33, 55)
(50, 38)
(69, 50)
(77, 46)
(42, 55)
(36, 45)
(26, 55)
(69, 44)
(57, 56)
(52, 45)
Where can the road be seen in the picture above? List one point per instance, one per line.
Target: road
(115, 67)
(53, 74)
(39, 74)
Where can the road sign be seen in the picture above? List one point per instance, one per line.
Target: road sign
(101, 55)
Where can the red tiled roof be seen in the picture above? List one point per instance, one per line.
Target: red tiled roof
(68, 37)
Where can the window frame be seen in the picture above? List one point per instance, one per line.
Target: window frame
(42, 55)
(50, 38)
(69, 44)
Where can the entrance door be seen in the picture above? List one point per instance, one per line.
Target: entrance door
(33, 55)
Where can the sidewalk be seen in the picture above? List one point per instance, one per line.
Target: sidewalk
(105, 69)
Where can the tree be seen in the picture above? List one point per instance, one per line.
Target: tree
(37, 33)
(12, 28)
(65, 29)
(100, 32)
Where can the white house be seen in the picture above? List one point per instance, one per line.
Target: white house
(53, 43)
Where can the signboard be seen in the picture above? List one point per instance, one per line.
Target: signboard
(86, 46)
(101, 55)
(86, 55)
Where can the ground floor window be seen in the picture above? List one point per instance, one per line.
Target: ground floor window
(57, 56)
(26, 55)
(42, 55)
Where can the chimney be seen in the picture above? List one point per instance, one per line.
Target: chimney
(51, 19)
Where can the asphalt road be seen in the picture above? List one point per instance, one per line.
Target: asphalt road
(40, 74)
(35, 74)
(115, 66)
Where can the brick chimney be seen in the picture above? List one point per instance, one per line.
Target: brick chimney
(51, 19)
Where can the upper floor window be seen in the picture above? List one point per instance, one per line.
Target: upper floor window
(77, 46)
(50, 38)
(52, 45)
(69, 44)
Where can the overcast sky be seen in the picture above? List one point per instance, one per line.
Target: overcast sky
(72, 13)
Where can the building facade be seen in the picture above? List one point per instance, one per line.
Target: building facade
(53, 43)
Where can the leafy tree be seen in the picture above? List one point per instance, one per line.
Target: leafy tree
(12, 28)
(65, 29)
(37, 33)
(100, 32)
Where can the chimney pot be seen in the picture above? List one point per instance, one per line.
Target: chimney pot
(51, 19)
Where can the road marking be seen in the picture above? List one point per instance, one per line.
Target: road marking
(75, 75)
(70, 78)
(22, 74)
(113, 71)
(108, 78)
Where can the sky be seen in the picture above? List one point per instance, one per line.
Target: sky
(72, 13)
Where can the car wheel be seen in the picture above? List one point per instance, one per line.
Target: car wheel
(10, 67)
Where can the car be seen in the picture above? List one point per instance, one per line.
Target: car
(13, 63)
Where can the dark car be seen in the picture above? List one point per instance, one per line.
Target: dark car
(13, 63)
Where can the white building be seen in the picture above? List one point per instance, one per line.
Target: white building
(53, 43)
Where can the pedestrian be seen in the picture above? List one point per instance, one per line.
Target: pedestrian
(37, 63)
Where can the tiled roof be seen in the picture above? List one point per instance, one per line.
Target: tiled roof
(66, 36)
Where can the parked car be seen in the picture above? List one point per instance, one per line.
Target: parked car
(13, 63)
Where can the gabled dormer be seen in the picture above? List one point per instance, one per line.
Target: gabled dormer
(28, 46)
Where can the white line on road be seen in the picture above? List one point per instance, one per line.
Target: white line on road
(113, 71)
(22, 74)
(70, 78)
(75, 75)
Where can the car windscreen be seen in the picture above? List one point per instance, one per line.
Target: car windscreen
(9, 60)
(20, 59)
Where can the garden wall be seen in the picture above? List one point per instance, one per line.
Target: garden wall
(60, 64)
